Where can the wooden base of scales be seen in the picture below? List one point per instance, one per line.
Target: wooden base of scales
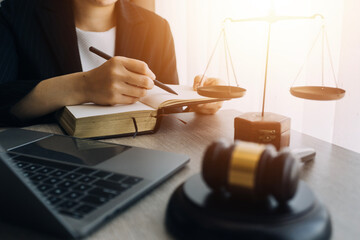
(271, 128)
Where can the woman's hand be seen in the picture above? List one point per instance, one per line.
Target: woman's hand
(207, 108)
(120, 80)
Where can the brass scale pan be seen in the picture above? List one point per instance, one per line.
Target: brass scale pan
(317, 92)
(221, 91)
(320, 93)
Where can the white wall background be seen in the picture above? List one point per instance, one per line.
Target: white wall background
(347, 115)
(196, 25)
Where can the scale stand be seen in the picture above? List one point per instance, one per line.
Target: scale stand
(269, 128)
(195, 212)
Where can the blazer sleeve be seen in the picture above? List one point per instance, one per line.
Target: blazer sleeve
(168, 72)
(12, 89)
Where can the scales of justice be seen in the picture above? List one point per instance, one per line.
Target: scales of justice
(267, 127)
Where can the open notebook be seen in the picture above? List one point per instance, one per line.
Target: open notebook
(94, 121)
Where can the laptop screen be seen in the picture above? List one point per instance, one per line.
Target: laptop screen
(77, 151)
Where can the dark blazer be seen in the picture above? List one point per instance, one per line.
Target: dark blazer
(38, 41)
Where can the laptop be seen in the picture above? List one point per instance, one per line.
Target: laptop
(69, 187)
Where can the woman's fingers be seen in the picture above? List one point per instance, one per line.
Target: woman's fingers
(207, 108)
(199, 81)
(137, 66)
(139, 80)
(132, 91)
(213, 81)
(120, 80)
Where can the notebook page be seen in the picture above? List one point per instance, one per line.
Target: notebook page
(91, 109)
(156, 96)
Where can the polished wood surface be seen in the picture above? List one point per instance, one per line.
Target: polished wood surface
(334, 176)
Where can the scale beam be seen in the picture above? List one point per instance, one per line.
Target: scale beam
(273, 18)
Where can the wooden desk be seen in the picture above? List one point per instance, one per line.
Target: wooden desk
(334, 176)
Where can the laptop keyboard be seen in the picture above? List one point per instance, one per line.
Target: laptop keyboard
(73, 191)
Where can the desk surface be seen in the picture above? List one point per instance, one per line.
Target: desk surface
(334, 176)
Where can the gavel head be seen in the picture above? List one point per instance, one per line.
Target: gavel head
(250, 170)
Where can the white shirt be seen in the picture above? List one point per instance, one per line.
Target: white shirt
(104, 41)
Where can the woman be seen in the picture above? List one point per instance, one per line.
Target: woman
(45, 63)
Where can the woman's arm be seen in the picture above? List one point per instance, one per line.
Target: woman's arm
(118, 81)
(50, 95)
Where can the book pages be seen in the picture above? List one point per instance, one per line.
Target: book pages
(157, 96)
(92, 110)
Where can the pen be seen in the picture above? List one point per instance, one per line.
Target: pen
(156, 82)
